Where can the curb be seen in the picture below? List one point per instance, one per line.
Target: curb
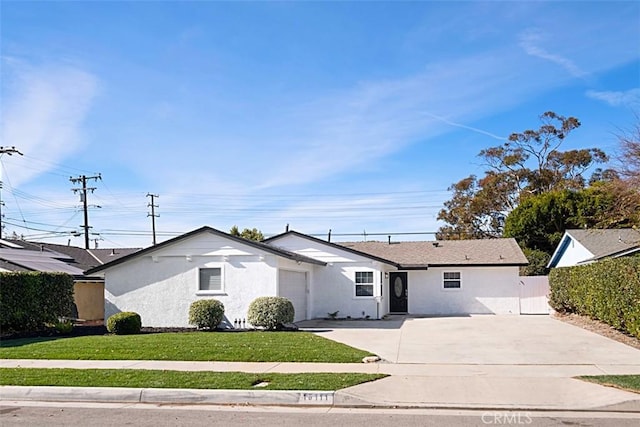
(301, 398)
(344, 400)
(167, 395)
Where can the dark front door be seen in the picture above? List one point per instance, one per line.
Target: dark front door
(398, 292)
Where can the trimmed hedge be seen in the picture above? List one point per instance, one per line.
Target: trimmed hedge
(608, 290)
(206, 313)
(270, 312)
(30, 300)
(124, 323)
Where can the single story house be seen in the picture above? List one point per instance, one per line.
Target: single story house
(88, 291)
(579, 247)
(357, 279)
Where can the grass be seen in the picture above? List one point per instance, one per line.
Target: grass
(624, 382)
(179, 379)
(197, 346)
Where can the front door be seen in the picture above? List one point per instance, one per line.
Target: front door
(398, 292)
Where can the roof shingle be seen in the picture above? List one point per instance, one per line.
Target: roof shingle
(445, 252)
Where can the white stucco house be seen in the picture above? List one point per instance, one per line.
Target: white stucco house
(356, 279)
(579, 247)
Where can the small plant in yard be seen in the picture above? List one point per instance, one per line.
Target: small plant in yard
(334, 315)
(270, 312)
(63, 327)
(124, 323)
(206, 313)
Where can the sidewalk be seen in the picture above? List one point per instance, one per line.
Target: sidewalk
(460, 386)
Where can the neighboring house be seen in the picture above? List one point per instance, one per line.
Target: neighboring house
(360, 279)
(585, 246)
(88, 291)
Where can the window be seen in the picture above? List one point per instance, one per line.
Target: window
(364, 283)
(451, 280)
(211, 279)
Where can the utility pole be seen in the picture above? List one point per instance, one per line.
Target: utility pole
(95, 242)
(10, 151)
(153, 214)
(83, 198)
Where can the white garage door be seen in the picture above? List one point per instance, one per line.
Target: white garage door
(293, 285)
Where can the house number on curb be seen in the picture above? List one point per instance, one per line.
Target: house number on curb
(315, 396)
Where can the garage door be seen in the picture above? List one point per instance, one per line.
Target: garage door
(293, 285)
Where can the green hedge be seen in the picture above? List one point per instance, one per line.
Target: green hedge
(30, 300)
(608, 290)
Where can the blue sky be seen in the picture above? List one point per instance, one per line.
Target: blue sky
(350, 116)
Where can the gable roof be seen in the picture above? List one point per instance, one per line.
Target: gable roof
(440, 253)
(105, 255)
(601, 243)
(339, 246)
(258, 245)
(423, 254)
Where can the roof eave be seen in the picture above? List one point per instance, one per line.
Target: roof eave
(413, 267)
(504, 264)
(618, 254)
(562, 246)
(334, 245)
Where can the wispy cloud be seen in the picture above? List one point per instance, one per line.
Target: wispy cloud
(616, 98)
(463, 126)
(352, 130)
(44, 110)
(530, 41)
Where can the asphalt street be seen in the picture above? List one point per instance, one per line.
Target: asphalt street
(54, 414)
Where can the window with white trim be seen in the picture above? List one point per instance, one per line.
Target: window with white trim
(364, 283)
(210, 280)
(451, 280)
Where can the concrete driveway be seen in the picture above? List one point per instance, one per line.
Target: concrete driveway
(481, 339)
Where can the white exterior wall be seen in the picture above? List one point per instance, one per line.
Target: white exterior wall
(161, 286)
(573, 254)
(334, 290)
(484, 290)
(332, 287)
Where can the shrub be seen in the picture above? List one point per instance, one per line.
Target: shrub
(608, 290)
(64, 327)
(270, 312)
(538, 261)
(206, 313)
(124, 323)
(30, 300)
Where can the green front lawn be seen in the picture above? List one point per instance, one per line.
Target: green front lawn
(200, 346)
(179, 379)
(625, 382)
